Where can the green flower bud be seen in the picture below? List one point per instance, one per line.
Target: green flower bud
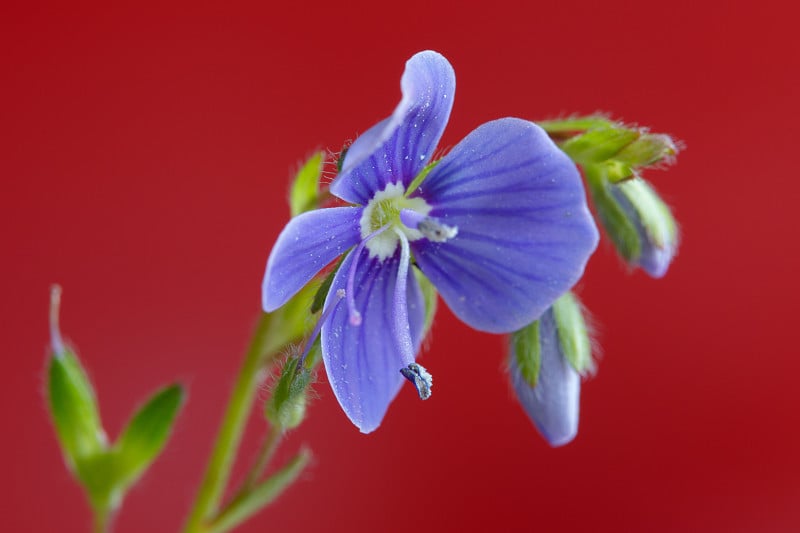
(286, 407)
(637, 220)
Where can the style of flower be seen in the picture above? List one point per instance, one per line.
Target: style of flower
(499, 226)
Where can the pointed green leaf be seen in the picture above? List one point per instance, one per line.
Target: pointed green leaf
(527, 350)
(73, 407)
(304, 193)
(146, 434)
(573, 335)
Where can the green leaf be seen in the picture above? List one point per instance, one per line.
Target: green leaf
(146, 434)
(596, 146)
(431, 298)
(73, 406)
(304, 194)
(99, 475)
(527, 350)
(261, 496)
(573, 335)
(618, 226)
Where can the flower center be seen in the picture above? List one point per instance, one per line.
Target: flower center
(384, 210)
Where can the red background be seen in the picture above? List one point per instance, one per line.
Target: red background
(144, 157)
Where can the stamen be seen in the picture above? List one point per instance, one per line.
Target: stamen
(410, 218)
(413, 372)
(421, 378)
(401, 326)
(437, 231)
(340, 293)
(355, 316)
(55, 332)
(431, 228)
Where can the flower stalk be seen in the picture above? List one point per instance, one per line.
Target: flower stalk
(233, 424)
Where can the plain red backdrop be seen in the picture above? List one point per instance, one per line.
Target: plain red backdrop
(144, 157)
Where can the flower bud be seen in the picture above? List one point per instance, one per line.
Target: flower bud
(286, 407)
(638, 221)
(543, 369)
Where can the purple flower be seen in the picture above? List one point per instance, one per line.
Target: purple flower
(499, 226)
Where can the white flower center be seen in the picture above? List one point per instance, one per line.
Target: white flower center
(384, 209)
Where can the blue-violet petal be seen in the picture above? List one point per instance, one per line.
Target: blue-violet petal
(363, 362)
(307, 243)
(524, 230)
(398, 148)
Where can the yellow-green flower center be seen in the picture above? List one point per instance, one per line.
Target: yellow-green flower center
(384, 210)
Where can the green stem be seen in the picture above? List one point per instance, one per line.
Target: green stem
(102, 519)
(261, 495)
(233, 425)
(264, 457)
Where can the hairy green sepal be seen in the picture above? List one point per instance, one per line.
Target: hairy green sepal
(573, 336)
(527, 351)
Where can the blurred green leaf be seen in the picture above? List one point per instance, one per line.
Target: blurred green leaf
(304, 193)
(146, 434)
(73, 407)
(527, 350)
